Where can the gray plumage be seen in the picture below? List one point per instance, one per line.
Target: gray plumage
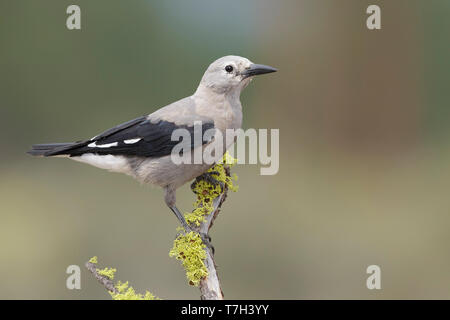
(142, 147)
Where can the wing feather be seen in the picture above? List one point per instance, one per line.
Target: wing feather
(153, 139)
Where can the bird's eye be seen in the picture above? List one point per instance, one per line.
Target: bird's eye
(229, 68)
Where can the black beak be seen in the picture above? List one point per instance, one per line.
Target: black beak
(256, 69)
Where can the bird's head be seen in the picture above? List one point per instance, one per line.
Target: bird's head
(232, 74)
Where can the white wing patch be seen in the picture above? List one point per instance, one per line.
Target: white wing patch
(131, 141)
(107, 145)
(108, 162)
(113, 144)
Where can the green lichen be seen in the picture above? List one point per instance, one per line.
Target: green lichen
(125, 291)
(207, 192)
(228, 159)
(190, 249)
(107, 272)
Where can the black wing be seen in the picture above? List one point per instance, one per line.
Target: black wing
(138, 137)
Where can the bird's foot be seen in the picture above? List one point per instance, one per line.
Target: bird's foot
(206, 238)
(208, 177)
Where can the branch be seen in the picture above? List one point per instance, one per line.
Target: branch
(120, 290)
(104, 280)
(196, 257)
(189, 248)
(210, 286)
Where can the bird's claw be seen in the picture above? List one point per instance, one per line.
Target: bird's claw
(206, 238)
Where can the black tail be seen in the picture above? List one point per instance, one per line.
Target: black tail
(48, 149)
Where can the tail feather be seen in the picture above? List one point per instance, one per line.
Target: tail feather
(48, 149)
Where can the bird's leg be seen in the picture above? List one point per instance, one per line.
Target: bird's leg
(208, 177)
(181, 218)
(204, 236)
(170, 200)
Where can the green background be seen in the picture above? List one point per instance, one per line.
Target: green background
(364, 146)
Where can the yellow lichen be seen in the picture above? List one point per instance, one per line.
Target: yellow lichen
(190, 249)
(228, 159)
(207, 192)
(126, 292)
(93, 259)
(107, 272)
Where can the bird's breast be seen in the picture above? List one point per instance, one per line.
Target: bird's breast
(226, 112)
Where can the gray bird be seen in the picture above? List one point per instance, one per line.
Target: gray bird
(142, 147)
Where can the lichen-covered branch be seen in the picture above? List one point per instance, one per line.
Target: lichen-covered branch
(120, 290)
(188, 247)
(210, 286)
(197, 259)
(100, 275)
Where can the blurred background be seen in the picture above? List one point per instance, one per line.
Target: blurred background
(364, 146)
